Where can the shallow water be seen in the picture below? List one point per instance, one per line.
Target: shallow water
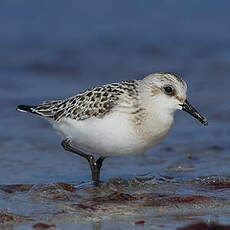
(54, 49)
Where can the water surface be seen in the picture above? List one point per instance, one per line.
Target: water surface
(54, 49)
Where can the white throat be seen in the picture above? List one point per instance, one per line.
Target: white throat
(157, 121)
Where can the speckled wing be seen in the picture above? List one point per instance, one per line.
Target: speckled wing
(92, 103)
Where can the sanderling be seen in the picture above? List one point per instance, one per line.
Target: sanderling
(117, 119)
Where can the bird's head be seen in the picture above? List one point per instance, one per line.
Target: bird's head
(169, 92)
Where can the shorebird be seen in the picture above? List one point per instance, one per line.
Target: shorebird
(118, 119)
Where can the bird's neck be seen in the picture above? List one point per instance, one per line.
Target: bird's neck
(157, 119)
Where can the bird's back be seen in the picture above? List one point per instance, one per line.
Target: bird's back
(96, 102)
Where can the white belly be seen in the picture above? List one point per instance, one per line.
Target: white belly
(112, 135)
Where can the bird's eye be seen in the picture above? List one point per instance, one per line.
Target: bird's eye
(169, 90)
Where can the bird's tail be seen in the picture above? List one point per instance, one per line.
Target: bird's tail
(26, 108)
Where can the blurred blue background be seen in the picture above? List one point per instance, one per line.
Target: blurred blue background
(54, 49)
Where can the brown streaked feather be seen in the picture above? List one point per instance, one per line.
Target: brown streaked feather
(91, 103)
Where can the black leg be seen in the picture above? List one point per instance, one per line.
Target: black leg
(66, 145)
(99, 162)
(95, 165)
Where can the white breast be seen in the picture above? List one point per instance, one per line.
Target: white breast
(113, 135)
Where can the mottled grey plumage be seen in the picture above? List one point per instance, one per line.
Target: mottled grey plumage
(93, 102)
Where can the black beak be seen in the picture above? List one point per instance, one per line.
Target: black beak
(189, 109)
